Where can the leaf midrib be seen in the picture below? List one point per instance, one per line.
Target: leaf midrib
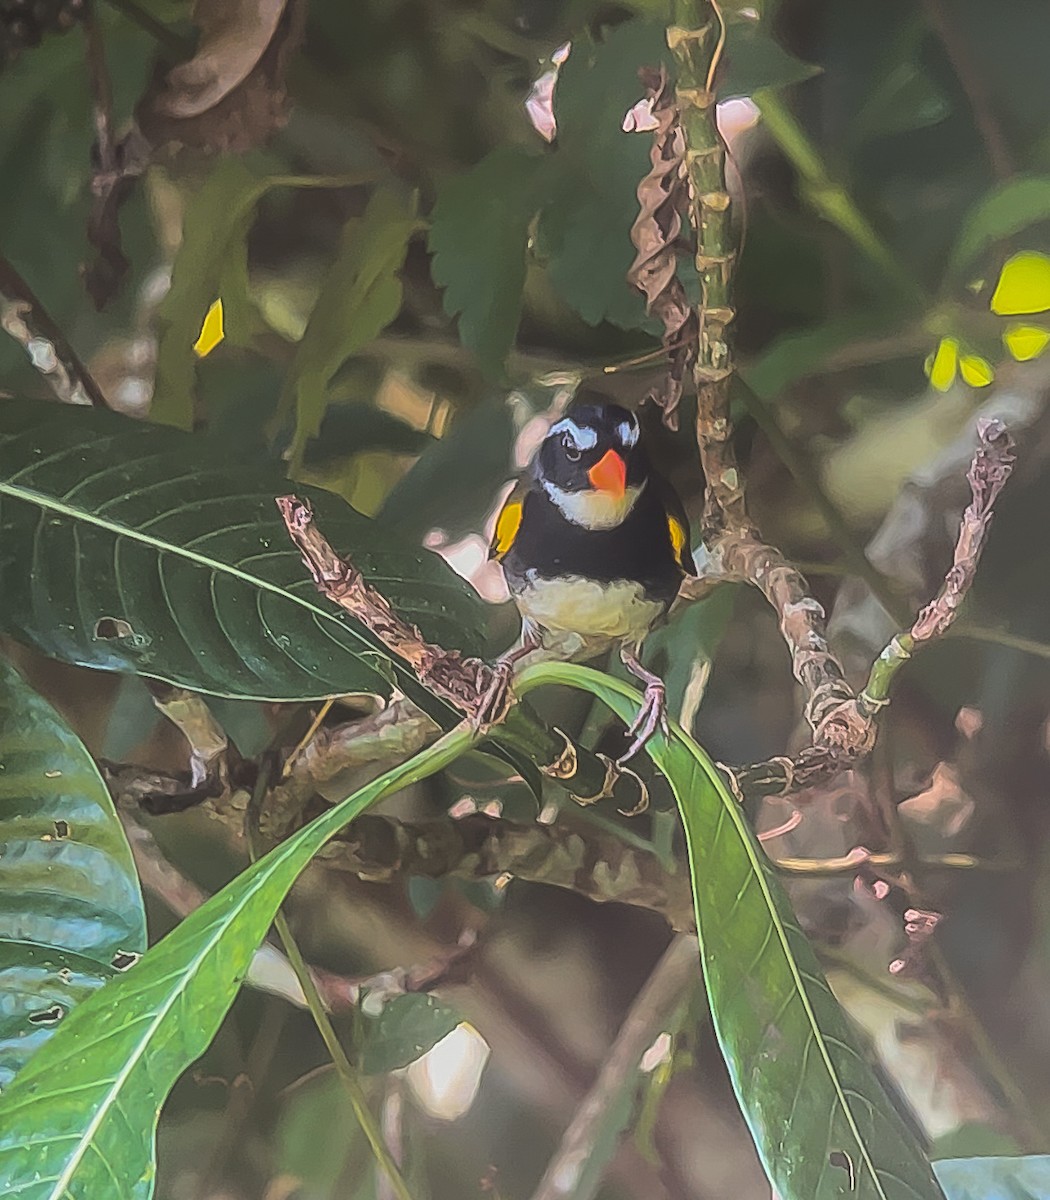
(730, 807)
(53, 504)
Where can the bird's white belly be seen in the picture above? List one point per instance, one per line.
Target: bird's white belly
(571, 609)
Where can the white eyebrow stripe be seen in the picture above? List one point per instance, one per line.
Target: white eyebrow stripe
(584, 439)
(628, 432)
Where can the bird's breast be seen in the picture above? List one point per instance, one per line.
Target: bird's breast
(595, 612)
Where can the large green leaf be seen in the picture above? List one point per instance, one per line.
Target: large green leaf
(130, 547)
(79, 1121)
(1023, 1178)
(822, 1123)
(360, 296)
(71, 913)
(1007, 209)
(478, 235)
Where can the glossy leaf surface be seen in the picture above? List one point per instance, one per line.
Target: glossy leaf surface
(71, 912)
(822, 1123)
(129, 547)
(79, 1122)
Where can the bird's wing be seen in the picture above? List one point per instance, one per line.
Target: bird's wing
(677, 525)
(508, 521)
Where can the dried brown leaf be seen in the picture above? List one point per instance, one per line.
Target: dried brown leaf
(231, 95)
(662, 196)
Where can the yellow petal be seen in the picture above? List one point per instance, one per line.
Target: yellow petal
(1024, 285)
(1025, 342)
(212, 332)
(944, 365)
(975, 370)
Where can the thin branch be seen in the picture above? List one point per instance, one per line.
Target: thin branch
(601, 1109)
(24, 317)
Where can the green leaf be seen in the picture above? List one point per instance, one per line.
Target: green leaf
(452, 485)
(1005, 210)
(591, 184)
(130, 547)
(905, 98)
(822, 1123)
(71, 912)
(318, 1103)
(405, 1029)
(478, 236)
(755, 59)
(360, 296)
(215, 223)
(79, 1121)
(1024, 1178)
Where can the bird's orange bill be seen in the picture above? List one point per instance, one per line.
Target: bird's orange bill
(506, 528)
(609, 474)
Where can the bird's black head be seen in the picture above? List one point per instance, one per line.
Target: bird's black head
(592, 464)
(593, 447)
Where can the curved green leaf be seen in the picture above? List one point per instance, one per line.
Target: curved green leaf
(79, 1121)
(1007, 209)
(822, 1123)
(406, 1028)
(1026, 1177)
(71, 913)
(130, 547)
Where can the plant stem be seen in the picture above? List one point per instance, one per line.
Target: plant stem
(831, 199)
(344, 1068)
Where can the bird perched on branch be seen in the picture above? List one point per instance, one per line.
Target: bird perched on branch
(594, 546)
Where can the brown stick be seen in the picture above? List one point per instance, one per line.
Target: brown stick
(462, 682)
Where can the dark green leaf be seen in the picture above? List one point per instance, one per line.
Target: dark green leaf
(318, 1103)
(905, 98)
(478, 235)
(452, 485)
(360, 296)
(405, 1029)
(1025, 1178)
(972, 1140)
(71, 913)
(591, 185)
(79, 1121)
(822, 1123)
(1005, 210)
(130, 547)
(754, 59)
(215, 228)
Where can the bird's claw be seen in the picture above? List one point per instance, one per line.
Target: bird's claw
(651, 716)
(496, 701)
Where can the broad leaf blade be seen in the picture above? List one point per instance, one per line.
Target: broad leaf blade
(360, 296)
(79, 1121)
(821, 1121)
(71, 912)
(130, 547)
(478, 236)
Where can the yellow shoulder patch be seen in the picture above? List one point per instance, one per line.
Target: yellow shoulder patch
(678, 536)
(506, 528)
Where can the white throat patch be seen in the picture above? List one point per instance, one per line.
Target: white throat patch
(593, 509)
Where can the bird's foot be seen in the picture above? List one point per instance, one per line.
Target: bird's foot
(653, 713)
(496, 700)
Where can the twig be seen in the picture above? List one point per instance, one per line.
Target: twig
(24, 317)
(465, 683)
(653, 1007)
(975, 86)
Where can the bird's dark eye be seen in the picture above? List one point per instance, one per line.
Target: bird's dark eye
(572, 451)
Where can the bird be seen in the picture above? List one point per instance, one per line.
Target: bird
(594, 545)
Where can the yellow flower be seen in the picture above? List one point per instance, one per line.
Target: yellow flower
(952, 359)
(212, 331)
(1023, 289)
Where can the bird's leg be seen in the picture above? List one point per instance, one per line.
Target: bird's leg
(494, 702)
(653, 713)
